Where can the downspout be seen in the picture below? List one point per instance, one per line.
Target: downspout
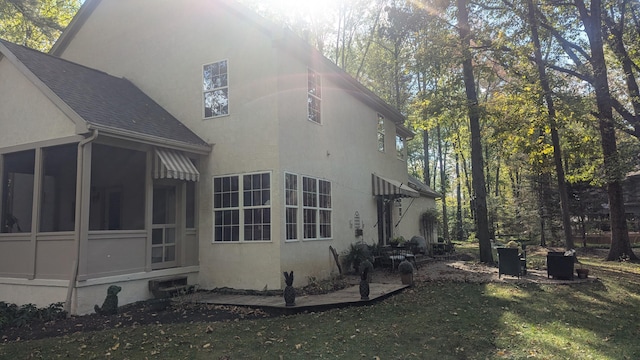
(79, 197)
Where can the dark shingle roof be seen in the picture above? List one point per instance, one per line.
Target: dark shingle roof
(423, 188)
(103, 100)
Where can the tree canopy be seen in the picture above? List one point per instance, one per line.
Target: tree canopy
(556, 103)
(35, 23)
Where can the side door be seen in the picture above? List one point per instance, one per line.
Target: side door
(164, 239)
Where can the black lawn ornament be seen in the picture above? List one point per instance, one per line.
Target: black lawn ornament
(364, 285)
(110, 305)
(289, 291)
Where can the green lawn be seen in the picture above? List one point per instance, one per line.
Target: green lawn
(597, 320)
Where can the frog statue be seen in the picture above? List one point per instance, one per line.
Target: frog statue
(110, 305)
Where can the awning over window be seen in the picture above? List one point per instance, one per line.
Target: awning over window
(387, 187)
(172, 164)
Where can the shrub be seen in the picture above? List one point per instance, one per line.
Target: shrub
(354, 255)
(405, 267)
(316, 287)
(14, 315)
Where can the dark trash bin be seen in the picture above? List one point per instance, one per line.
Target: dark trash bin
(509, 262)
(559, 265)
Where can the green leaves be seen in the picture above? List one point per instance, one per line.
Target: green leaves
(35, 23)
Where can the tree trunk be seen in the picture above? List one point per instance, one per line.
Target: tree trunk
(487, 170)
(542, 209)
(477, 170)
(369, 41)
(497, 187)
(396, 74)
(443, 187)
(555, 138)
(425, 147)
(466, 175)
(620, 245)
(459, 228)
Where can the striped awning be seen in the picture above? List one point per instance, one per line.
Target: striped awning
(387, 187)
(172, 164)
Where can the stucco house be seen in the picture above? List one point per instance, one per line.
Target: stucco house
(190, 138)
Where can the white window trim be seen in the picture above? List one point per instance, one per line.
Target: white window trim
(202, 91)
(241, 208)
(301, 207)
(319, 98)
(381, 133)
(401, 153)
(297, 207)
(317, 208)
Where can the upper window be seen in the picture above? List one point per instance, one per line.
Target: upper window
(314, 97)
(380, 133)
(242, 207)
(400, 146)
(215, 89)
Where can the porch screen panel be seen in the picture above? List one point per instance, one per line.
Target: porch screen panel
(17, 191)
(117, 188)
(191, 205)
(57, 203)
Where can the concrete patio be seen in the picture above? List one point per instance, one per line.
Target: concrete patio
(346, 297)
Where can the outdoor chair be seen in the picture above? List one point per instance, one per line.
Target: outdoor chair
(393, 256)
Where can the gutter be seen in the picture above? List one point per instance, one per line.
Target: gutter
(203, 149)
(78, 222)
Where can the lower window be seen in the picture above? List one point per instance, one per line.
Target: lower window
(242, 207)
(316, 208)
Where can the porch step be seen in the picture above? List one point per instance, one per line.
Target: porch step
(167, 287)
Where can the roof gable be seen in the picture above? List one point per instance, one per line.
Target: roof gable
(104, 102)
(281, 37)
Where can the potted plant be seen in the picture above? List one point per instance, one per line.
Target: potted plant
(354, 255)
(582, 272)
(397, 241)
(406, 272)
